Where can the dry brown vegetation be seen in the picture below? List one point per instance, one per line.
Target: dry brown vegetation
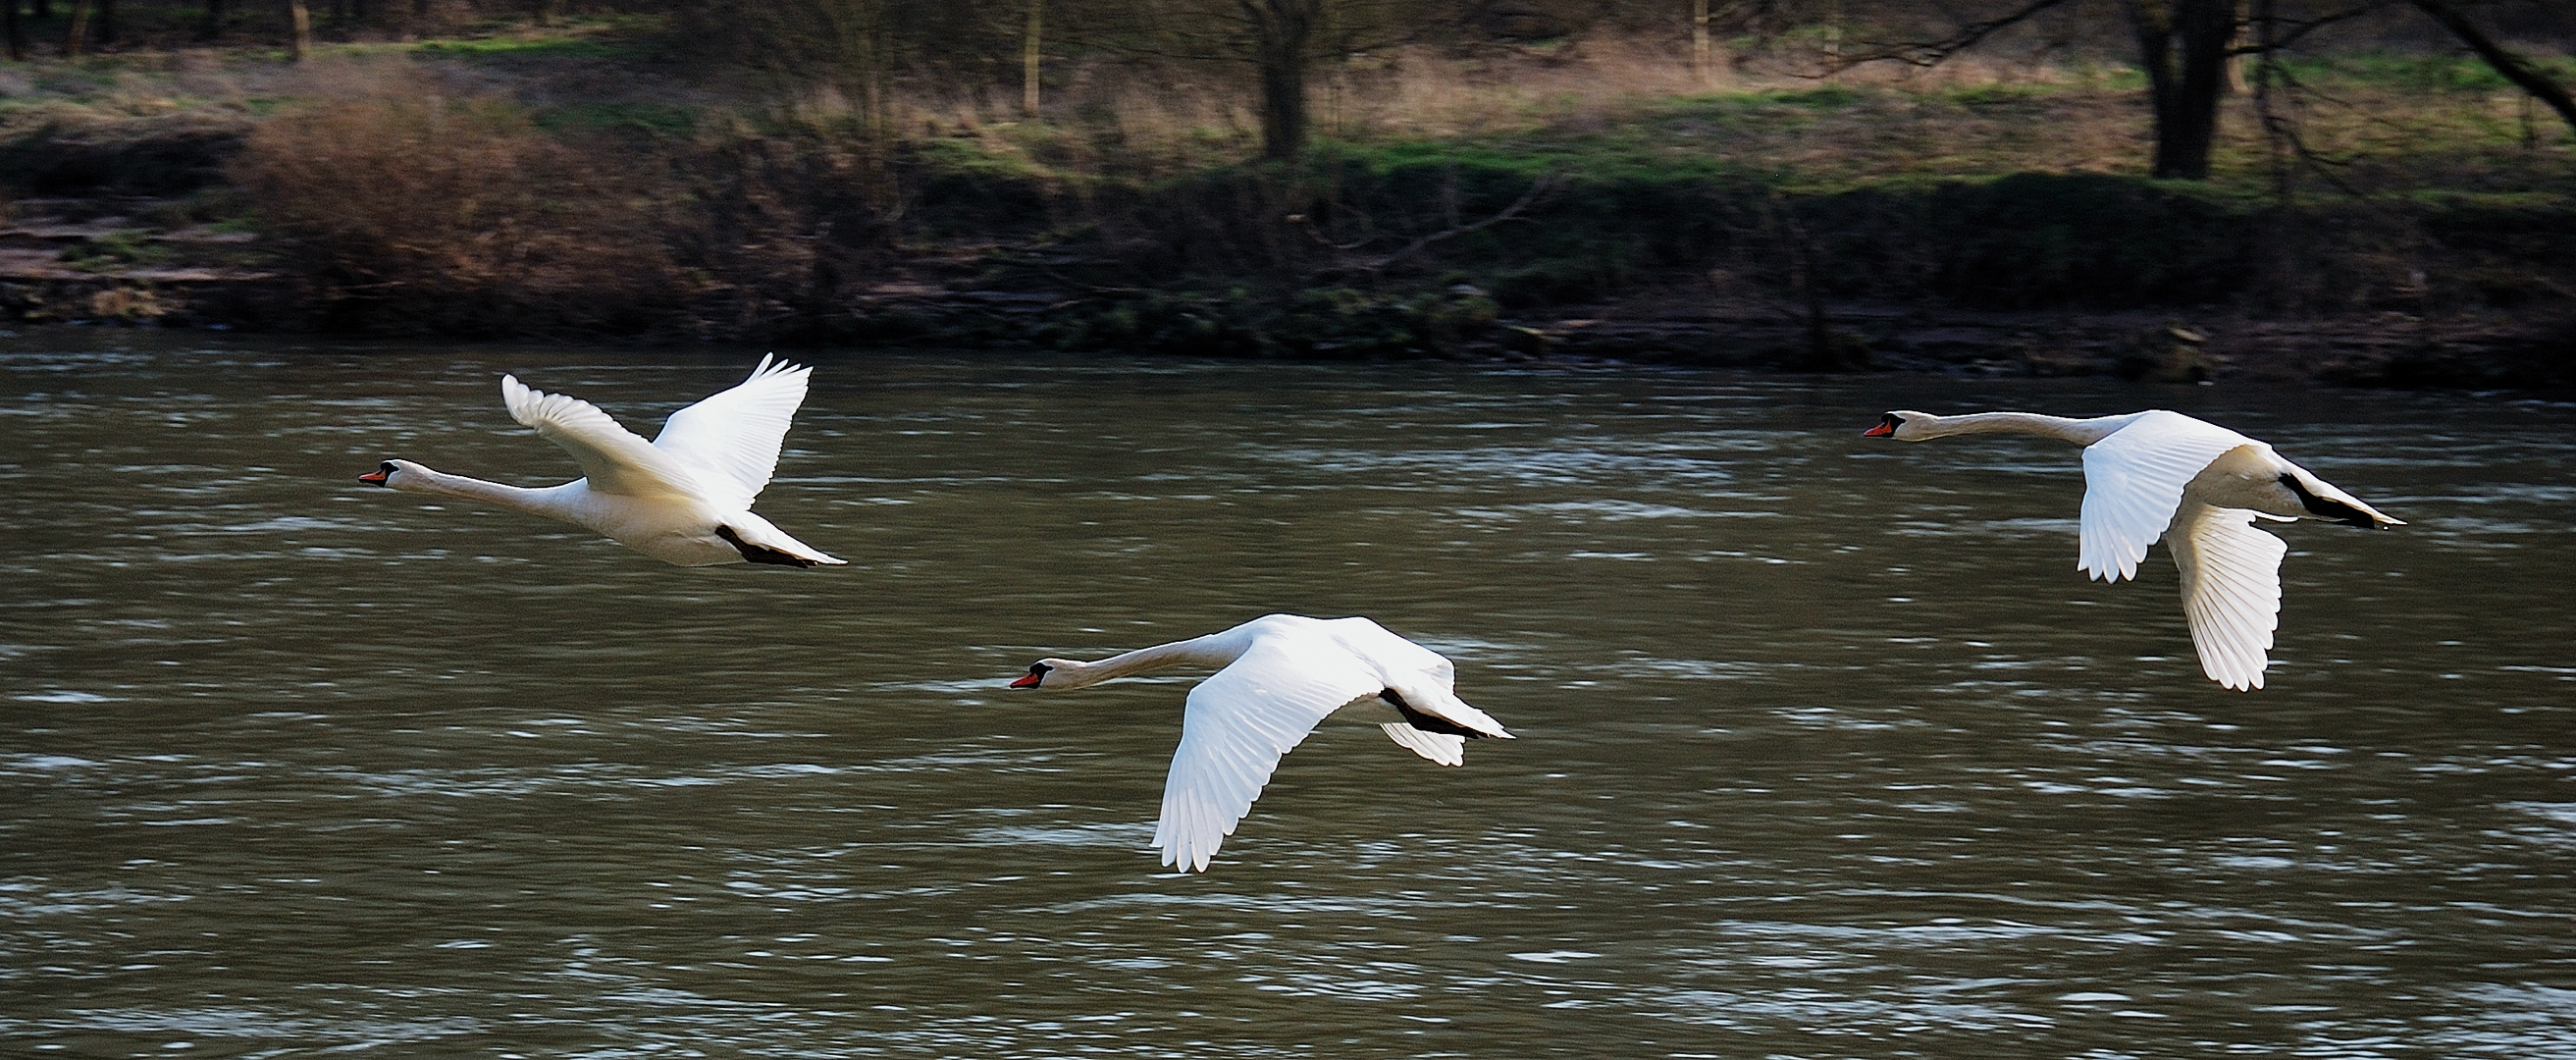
(458, 216)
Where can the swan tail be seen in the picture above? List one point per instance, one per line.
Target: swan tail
(1434, 711)
(761, 542)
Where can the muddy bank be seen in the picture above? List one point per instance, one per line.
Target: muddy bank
(2386, 348)
(189, 287)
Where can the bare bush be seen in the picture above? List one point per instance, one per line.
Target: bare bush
(459, 216)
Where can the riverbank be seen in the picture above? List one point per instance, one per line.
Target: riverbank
(574, 185)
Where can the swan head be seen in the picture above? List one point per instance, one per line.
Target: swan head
(384, 473)
(1903, 425)
(400, 475)
(1052, 674)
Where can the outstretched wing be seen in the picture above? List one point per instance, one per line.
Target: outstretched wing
(2133, 482)
(1237, 725)
(614, 458)
(2231, 590)
(735, 435)
(1440, 747)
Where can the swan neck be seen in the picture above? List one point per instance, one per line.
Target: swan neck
(2081, 432)
(1206, 651)
(418, 479)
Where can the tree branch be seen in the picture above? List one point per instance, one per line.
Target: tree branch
(2301, 29)
(2512, 66)
(1933, 53)
(1538, 188)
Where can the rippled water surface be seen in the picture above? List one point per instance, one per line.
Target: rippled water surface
(1826, 748)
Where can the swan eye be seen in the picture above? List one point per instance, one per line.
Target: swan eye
(387, 467)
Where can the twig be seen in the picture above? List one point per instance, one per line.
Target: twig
(1934, 53)
(1308, 223)
(1538, 188)
(2302, 29)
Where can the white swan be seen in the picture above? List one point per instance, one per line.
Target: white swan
(1279, 676)
(2200, 487)
(683, 498)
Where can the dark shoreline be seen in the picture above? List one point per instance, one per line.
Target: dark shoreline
(2386, 349)
(2029, 275)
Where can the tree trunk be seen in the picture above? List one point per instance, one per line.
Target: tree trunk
(1029, 55)
(78, 36)
(1282, 31)
(107, 21)
(214, 24)
(1703, 56)
(44, 9)
(16, 32)
(301, 19)
(2183, 45)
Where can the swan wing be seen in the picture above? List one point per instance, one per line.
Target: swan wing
(615, 459)
(1440, 747)
(736, 434)
(1236, 727)
(2231, 590)
(2133, 482)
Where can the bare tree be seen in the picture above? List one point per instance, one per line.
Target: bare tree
(1283, 31)
(1285, 42)
(1703, 54)
(300, 18)
(77, 37)
(2184, 46)
(1030, 55)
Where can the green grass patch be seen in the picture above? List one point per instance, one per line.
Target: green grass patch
(560, 47)
(2402, 72)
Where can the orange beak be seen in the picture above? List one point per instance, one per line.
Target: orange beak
(373, 478)
(1879, 431)
(1028, 681)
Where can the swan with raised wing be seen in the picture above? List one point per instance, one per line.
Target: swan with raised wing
(1279, 676)
(684, 497)
(2197, 485)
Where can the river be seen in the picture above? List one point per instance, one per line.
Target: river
(1826, 749)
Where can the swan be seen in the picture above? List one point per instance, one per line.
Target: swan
(1279, 676)
(2200, 487)
(683, 498)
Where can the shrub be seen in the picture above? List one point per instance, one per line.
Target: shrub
(459, 216)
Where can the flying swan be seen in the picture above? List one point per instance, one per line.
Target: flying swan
(1278, 677)
(683, 498)
(2200, 487)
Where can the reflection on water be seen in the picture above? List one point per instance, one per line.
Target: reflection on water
(1827, 750)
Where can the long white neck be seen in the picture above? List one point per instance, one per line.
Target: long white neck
(1215, 649)
(2081, 432)
(548, 502)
